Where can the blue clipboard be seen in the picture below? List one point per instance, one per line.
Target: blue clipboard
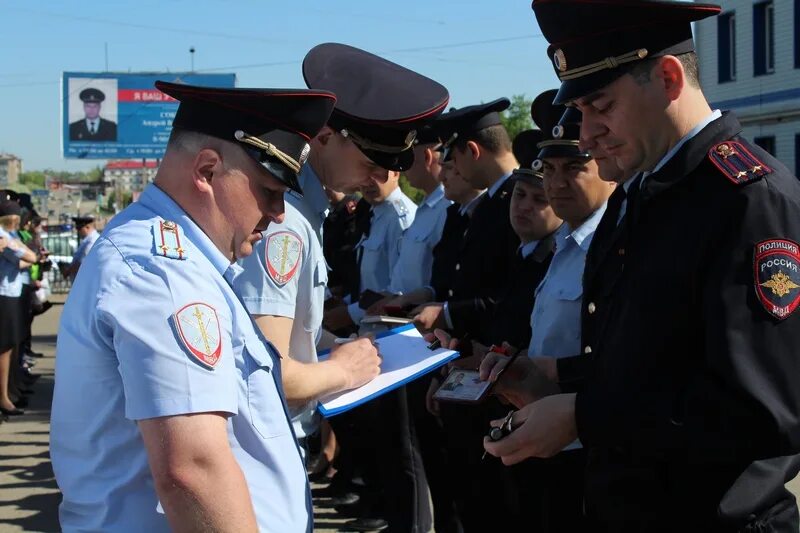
(327, 413)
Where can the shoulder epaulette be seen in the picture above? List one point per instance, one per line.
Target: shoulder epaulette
(737, 163)
(168, 240)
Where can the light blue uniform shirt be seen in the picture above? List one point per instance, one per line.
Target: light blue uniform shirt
(415, 257)
(380, 251)
(286, 276)
(10, 275)
(83, 248)
(144, 336)
(556, 316)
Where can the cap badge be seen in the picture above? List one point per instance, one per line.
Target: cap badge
(560, 60)
(558, 131)
(304, 154)
(537, 164)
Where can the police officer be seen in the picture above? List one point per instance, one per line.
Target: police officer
(578, 194)
(481, 152)
(464, 198)
(686, 397)
(415, 256)
(168, 410)
(92, 127)
(370, 133)
(391, 214)
(87, 235)
(535, 222)
(13, 254)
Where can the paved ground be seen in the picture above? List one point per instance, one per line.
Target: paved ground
(29, 496)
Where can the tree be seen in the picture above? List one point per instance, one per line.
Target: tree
(518, 116)
(35, 179)
(416, 195)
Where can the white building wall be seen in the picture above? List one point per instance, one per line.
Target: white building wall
(753, 98)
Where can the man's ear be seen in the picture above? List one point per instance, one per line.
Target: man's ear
(325, 135)
(206, 166)
(669, 71)
(474, 150)
(428, 157)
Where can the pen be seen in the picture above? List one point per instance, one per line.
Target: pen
(346, 340)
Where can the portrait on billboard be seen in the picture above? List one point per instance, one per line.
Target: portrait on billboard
(92, 109)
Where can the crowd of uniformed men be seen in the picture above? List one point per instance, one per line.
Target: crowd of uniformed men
(638, 253)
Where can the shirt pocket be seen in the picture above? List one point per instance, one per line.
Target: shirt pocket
(264, 403)
(371, 252)
(315, 306)
(419, 239)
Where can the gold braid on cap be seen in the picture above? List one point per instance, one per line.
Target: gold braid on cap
(369, 145)
(270, 148)
(607, 63)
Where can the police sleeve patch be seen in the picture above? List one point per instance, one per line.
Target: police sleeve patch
(283, 253)
(737, 163)
(199, 333)
(777, 276)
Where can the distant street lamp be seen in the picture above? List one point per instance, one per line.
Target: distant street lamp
(191, 54)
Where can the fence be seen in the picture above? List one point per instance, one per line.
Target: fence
(61, 246)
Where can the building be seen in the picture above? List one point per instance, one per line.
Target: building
(750, 64)
(129, 175)
(10, 169)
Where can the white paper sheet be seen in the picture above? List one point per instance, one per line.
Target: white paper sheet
(406, 357)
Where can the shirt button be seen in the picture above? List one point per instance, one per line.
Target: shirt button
(621, 251)
(458, 267)
(592, 308)
(450, 293)
(588, 349)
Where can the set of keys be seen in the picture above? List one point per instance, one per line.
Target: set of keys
(500, 432)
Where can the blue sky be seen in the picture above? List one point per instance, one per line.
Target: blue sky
(480, 50)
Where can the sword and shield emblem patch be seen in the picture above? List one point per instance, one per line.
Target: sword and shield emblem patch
(282, 256)
(199, 332)
(777, 276)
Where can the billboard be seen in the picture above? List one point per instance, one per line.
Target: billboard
(108, 115)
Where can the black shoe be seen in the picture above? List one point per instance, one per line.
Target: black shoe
(11, 412)
(348, 498)
(44, 307)
(367, 524)
(31, 353)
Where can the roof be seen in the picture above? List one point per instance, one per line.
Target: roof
(129, 164)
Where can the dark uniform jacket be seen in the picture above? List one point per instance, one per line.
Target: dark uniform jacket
(445, 253)
(511, 319)
(343, 228)
(487, 250)
(689, 390)
(106, 131)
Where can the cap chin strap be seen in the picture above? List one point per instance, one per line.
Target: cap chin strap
(607, 63)
(557, 142)
(269, 148)
(370, 145)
